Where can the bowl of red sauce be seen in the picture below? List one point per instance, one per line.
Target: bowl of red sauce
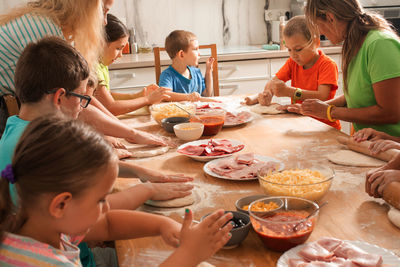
(286, 227)
(212, 119)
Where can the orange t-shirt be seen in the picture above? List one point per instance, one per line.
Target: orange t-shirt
(324, 71)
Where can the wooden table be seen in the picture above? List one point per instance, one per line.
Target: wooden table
(350, 215)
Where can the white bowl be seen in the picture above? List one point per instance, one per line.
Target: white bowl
(189, 131)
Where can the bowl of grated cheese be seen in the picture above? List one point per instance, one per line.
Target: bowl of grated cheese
(170, 109)
(309, 183)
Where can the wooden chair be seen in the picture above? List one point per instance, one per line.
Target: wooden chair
(12, 104)
(213, 47)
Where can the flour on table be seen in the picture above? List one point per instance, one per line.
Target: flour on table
(394, 216)
(351, 158)
(173, 203)
(271, 109)
(145, 151)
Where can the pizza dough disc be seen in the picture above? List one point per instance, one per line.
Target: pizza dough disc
(173, 203)
(394, 216)
(352, 158)
(145, 151)
(271, 109)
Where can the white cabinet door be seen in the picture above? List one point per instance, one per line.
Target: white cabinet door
(131, 80)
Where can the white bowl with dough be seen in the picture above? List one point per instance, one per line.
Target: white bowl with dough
(189, 131)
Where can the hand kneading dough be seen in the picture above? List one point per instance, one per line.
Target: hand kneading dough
(173, 203)
(394, 216)
(352, 158)
(145, 151)
(271, 109)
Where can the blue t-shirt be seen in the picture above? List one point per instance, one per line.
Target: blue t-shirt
(170, 78)
(8, 142)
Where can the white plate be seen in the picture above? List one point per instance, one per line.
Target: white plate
(208, 158)
(240, 123)
(388, 257)
(259, 157)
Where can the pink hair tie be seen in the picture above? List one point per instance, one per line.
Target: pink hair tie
(8, 174)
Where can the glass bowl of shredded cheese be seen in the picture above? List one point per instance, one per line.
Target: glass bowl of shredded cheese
(170, 109)
(309, 183)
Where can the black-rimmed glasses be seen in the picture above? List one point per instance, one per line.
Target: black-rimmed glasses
(84, 99)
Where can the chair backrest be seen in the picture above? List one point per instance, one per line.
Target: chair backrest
(12, 105)
(213, 47)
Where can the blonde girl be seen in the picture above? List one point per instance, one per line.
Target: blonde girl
(62, 201)
(371, 69)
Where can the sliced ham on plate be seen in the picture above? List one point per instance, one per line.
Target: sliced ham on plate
(334, 251)
(232, 119)
(212, 148)
(243, 166)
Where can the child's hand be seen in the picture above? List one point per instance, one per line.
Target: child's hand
(369, 134)
(150, 89)
(158, 95)
(279, 88)
(170, 232)
(166, 191)
(122, 153)
(383, 145)
(193, 97)
(114, 142)
(376, 182)
(265, 98)
(207, 237)
(209, 64)
(141, 137)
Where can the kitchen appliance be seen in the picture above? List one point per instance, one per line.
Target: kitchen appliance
(389, 9)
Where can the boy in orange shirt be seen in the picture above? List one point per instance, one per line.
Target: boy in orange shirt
(312, 73)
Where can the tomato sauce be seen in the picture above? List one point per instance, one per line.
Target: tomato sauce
(212, 124)
(279, 236)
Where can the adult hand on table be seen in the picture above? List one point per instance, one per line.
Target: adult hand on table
(166, 191)
(375, 184)
(141, 137)
(383, 145)
(315, 108)
(294, 108)
(369, 134)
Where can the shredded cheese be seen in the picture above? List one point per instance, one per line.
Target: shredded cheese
(299, 183)
(166, 110)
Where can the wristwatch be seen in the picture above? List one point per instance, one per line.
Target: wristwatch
(297, 94)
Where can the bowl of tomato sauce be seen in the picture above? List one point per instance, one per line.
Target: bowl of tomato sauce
(212, 119)
(286, 227)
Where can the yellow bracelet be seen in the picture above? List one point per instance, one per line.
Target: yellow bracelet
(328, 113)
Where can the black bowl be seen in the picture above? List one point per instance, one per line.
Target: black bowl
(169, 123)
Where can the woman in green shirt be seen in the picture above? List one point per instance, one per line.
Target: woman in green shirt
(371, 66)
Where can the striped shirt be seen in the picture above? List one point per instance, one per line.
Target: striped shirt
(14, 37)
(16, 250)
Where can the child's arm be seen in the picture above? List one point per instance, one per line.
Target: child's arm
(280, 89)
(135, 196)
(118, 107)
(208, 77)
(177, 97)
(126, 224)
(113, 127)
(130, 169)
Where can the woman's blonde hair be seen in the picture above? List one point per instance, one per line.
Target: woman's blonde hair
(83, 19)
(359, 23)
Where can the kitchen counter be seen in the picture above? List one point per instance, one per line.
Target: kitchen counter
(224, 54)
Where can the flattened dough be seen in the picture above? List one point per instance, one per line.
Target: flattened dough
(352, 158)
(271, 109)
(145, 151)
(173, 203)
(394, 216)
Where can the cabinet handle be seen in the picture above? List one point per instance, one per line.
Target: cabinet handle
(231, 68)
(124, 75)
(229, 86)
